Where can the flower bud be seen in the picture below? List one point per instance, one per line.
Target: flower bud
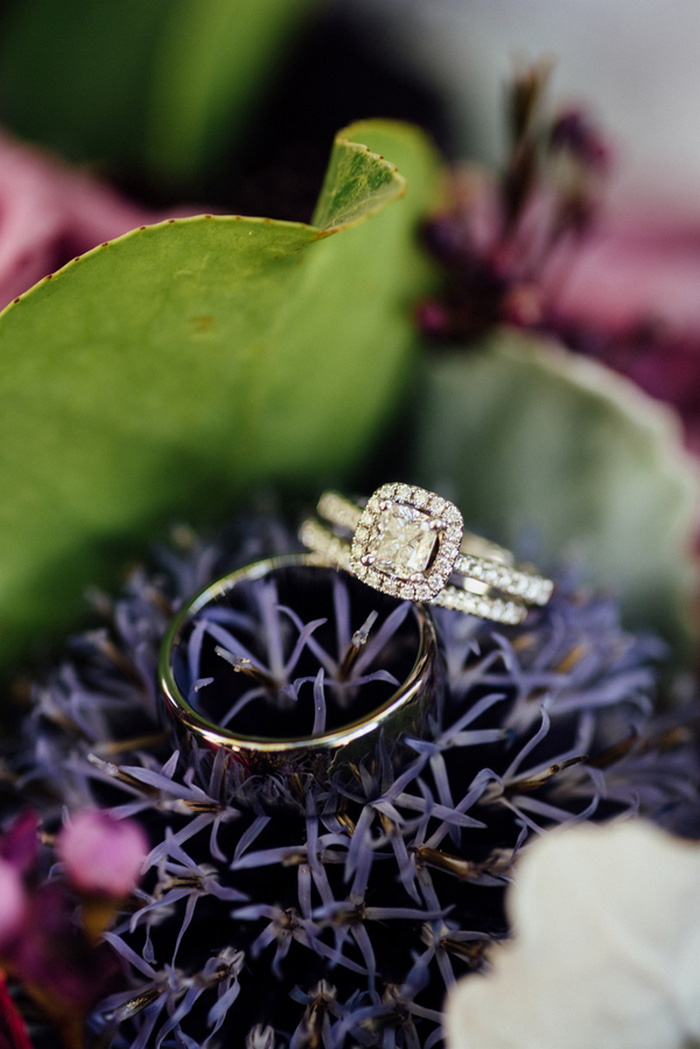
(101, 854)
(13, 902)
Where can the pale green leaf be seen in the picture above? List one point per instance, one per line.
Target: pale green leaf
(530, 439)
(169, 371)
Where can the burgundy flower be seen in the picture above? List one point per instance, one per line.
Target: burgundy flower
(533, 248)
(19, 846)
(55, 958)
(44, 944)
(13, 1033)
(630, 300)
(507, 238)
(572, 130)
(642, 264)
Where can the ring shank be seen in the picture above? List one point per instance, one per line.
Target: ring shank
(320, 754)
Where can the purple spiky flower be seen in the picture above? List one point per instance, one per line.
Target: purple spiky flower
(290, 912)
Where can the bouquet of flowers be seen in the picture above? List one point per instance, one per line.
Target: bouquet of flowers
(256, 796)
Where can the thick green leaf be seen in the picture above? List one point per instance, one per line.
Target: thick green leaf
(167, 372)
(76, 75)
(216, 57)
(137, 83)
(528, 438)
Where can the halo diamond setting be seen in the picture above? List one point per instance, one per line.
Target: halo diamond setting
(411, 544)
(406, 542)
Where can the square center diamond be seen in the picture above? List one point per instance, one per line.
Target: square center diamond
(404, 543)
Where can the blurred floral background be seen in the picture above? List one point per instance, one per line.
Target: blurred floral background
(250, 249)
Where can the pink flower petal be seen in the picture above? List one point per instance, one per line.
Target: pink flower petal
(101, 854)
(13, 903)
(643, 262)
(50, 212)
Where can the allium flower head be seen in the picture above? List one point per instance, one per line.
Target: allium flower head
(295, 912)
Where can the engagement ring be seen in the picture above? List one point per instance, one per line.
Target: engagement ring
(411, 544)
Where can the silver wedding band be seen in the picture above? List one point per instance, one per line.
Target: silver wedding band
(405, 711)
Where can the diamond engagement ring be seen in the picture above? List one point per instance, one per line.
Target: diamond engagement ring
(411, 544)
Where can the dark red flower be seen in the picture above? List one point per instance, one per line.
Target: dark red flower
(20, 843)
(13, 1033)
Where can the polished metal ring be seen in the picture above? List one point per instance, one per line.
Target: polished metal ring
(404, 710)
(411, 543)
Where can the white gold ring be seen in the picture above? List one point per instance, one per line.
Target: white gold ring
(265, 750)
(411, 544)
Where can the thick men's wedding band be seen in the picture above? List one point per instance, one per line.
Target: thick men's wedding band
(411, 544)
(403, 711)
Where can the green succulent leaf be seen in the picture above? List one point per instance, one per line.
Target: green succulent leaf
(76, 76)
(169, 371)
(530, 439)
(142, 83)
(215, 59)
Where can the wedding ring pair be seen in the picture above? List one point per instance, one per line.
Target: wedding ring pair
(406, 543)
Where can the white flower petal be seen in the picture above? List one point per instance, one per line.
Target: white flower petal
(606, 952)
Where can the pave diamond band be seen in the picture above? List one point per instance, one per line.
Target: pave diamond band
(411, 543)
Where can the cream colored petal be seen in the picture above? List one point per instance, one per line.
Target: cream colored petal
(606, 952)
